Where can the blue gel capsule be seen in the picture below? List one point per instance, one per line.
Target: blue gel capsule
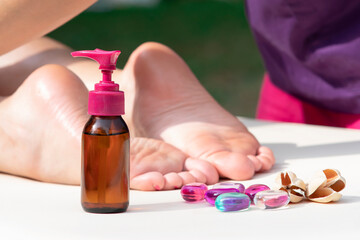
(232, 202)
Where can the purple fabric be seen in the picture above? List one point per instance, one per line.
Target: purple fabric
(311, 49)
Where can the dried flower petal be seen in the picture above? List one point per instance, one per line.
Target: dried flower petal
(325, 195)
(288, 181)
(325, 185)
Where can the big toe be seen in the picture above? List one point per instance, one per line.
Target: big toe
(201, 168)
(233, 165)
(148, 181)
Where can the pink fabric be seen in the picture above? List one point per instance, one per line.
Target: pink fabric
(277, 105)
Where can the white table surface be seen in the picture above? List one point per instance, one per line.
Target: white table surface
(35, 210)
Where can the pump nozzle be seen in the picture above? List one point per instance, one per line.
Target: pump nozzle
(105, 99)
(106, 59)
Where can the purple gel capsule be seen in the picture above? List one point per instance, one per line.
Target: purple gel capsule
(193, 192)
(232, 202)
(254, 189)
(212, 194)
(235, 185)
(271, 199)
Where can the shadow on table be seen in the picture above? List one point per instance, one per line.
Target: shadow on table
(286, 151)
(349, 199)
(166, 206)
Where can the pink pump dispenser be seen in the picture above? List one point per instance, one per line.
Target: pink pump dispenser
(106, 99)
(105, 144)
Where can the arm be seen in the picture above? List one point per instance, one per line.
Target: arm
(24, 20)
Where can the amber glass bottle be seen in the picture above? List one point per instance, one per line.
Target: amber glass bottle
(105, 165)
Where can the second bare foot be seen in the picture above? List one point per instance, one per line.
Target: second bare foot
(170, 104)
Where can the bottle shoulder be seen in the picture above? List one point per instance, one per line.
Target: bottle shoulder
(105, 125)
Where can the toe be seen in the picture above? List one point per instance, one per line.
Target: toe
(266, 157)
(150, 181)
(187, 177)
(257, 163)
(206, 168)
(199, 176)
(172, 181)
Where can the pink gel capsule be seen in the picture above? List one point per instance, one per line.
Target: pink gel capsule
(193, 192)
(235, 185)
(212, 194)
(254, 189)
(271, 199)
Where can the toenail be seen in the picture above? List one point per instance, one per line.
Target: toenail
(157, 188)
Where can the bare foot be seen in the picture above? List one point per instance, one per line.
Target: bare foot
(42, 124)
(170, 104)
(41, 128)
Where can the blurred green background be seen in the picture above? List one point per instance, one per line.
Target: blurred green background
(213, 37)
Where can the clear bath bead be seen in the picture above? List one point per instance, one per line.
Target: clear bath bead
(232, 202)
(271, 199)
(235, 185)
(254, 189)
(193, 192)
(212, 194)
